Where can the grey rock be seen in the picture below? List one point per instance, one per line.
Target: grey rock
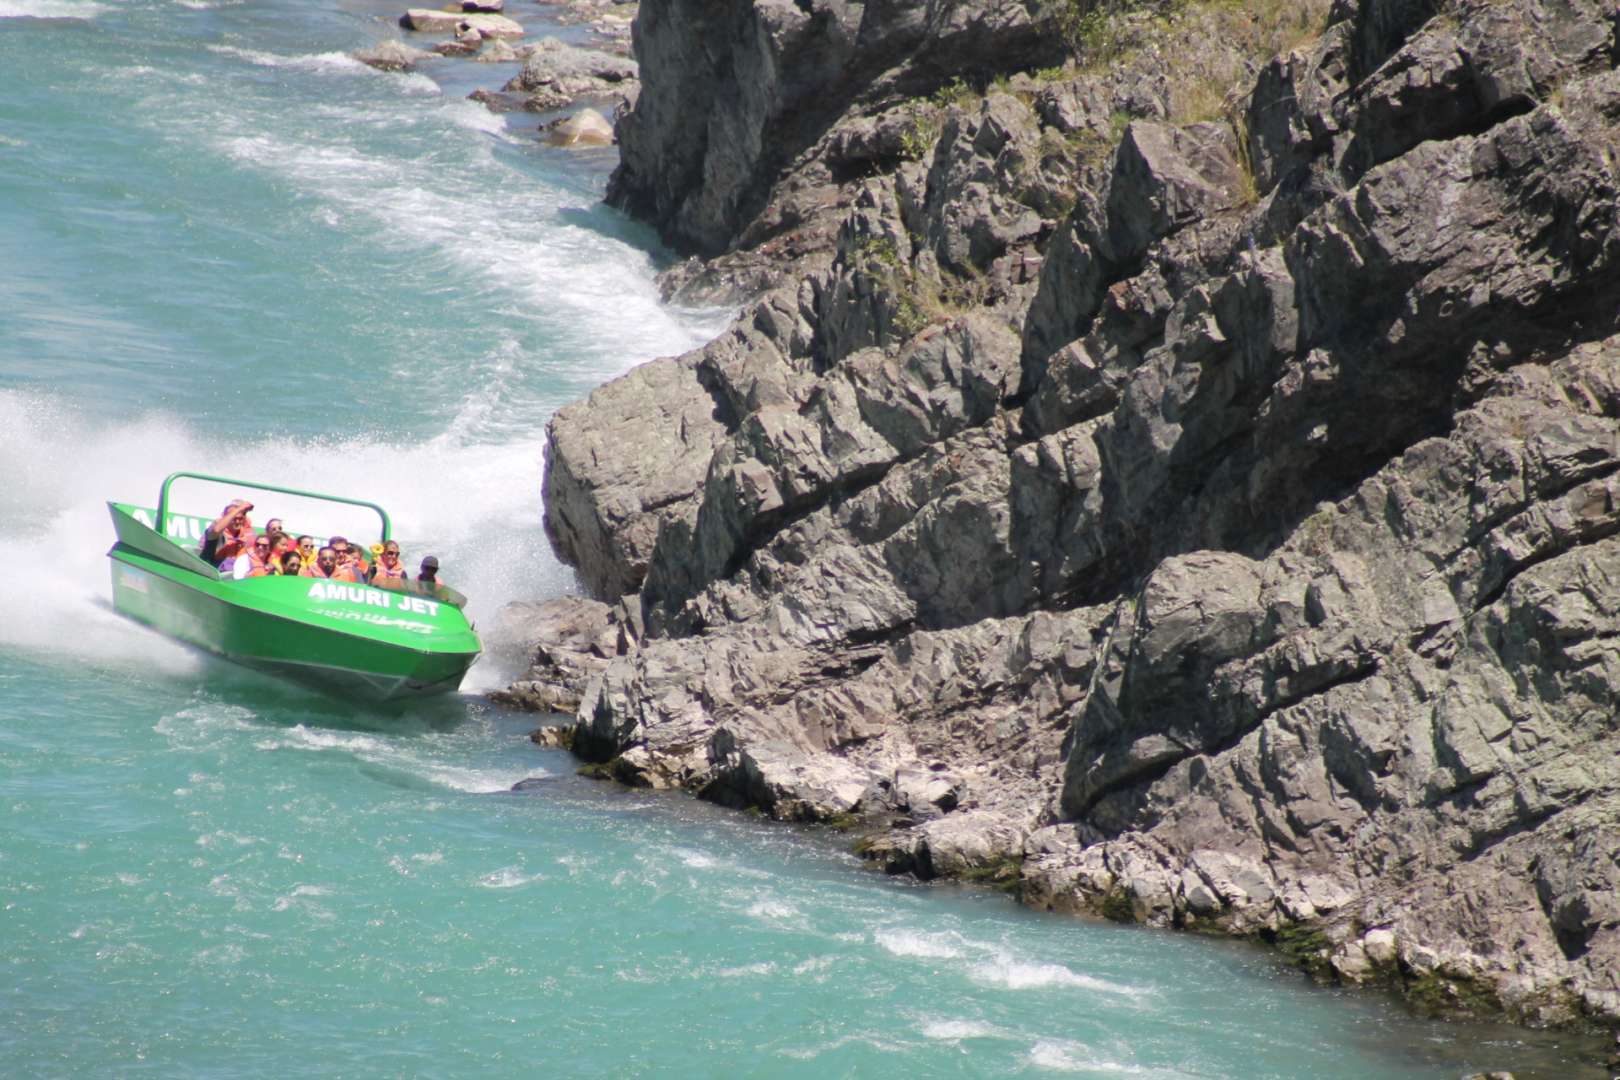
(585, 128)
(607, 486)
(735, 89)
(443, 22)
(567, 640)
(391, 55)
(555, 74)
(1164, 179)
(1249, 565)
(550, 61)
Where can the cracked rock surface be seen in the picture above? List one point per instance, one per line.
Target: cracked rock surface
(1208, 523)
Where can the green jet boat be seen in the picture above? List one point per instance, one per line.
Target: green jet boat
(355, 640)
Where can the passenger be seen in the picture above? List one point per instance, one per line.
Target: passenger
(254, 561)
(350, 555)
(346, 569)
(306, 549)
(325, 565)
(389, 572)
(292, 564)
(427, 579)
(230, 533)
(281, 541)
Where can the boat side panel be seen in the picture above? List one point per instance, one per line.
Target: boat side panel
(391, 618)
(270, 641)
(136, 534)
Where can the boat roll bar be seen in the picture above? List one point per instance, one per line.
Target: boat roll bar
(163, 497)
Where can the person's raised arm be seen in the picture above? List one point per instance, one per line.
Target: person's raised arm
(237, 506)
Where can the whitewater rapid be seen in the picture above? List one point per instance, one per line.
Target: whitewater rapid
(395, 319)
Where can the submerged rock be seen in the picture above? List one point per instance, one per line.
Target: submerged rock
(390, 55)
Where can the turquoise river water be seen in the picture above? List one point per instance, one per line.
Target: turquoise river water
(225, 245)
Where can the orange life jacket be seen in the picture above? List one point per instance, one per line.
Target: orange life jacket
(314, 570)
(231, 542)
(345, 573)
(257, 567)
(383, 573)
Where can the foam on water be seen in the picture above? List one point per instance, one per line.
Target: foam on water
(772, 910)
(508, 877)
(957, 1030)
(696, 860)
(921, 944)
(416, 759)
(461, 502)
(51, 9)
(326, 63)
(1069, 1056)
(1013, 974)
(506, 238)
(473, 116)
(55, 530)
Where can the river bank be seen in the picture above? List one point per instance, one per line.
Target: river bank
(1178, 490)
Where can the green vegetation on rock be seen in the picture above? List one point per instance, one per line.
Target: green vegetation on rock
(1306, 946)
(1116, 906)
(1004, 874)
(1451, 995)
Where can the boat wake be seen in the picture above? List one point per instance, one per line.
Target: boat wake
(476, 507)
(50, 9)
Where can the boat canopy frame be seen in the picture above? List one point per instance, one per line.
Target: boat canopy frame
(163, 497)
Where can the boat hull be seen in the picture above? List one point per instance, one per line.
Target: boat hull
(352, 640)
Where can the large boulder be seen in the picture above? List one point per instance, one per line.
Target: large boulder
(636, 450)
(428, 20)
(555, 74)
(390, 55)
(584, 128)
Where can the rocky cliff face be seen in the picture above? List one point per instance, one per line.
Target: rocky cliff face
(1184, 489)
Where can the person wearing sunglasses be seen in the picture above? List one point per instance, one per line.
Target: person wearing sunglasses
(292, 564)
(388, 572)
(344, 565)
(350, 556)
(281, 541)
(325, 565)
(254, 561)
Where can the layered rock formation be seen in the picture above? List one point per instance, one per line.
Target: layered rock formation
(1182, 491)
